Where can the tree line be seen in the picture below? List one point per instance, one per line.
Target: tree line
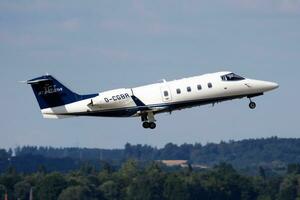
(246, 155)
(151, 181)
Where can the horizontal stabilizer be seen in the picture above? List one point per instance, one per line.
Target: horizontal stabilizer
(52, 116)
(38, 80)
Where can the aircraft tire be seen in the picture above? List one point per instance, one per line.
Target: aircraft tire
(252, 105)
(152, 125)
(146, 124)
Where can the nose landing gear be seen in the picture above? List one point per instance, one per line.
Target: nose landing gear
(252, 105)
(148, 120)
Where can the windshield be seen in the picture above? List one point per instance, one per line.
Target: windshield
(232, 77)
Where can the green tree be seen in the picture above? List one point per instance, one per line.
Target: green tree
(9, 179)
(267, 189)
(129, 169)
(262, 172)
(288, 188)
(2, 191)
(87, 168)
(293, 169)
(106, 167)
(42, 169)
(175, 188)
(225, 183)
(76, 193)
(51, 186)
(3, 154)
(195, 189)
(22, 190)
(148, 185)
(110, 190)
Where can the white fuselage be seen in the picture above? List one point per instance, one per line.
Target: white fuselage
(162, 97)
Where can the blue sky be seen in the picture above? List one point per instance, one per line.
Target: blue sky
(101, 45)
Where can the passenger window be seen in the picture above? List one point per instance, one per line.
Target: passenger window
(166, 93)
(189, 89)
(199, 87)
(178, 91)
(209, 85)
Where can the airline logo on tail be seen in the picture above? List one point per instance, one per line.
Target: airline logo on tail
(50, 89)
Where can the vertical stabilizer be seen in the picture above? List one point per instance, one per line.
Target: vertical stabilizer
(50, 93)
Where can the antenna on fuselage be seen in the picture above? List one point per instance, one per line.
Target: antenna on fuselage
(163, 80)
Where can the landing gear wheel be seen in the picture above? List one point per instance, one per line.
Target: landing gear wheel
(148, 120)
(146, 124)
(152, 125)
(252, 105)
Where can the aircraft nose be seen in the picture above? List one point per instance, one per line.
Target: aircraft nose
(270, 86)
(273, 85)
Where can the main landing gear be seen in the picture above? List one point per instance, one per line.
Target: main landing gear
(252, 105)
(148, 120)
(150, 125)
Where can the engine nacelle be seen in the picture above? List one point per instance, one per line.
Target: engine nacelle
(110, 99)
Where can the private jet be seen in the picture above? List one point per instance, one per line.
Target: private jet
(57, 101)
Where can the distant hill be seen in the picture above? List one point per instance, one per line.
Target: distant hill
(273, 153)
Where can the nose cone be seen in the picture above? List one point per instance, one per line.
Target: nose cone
(272, 85)
(259, 86)
(267, 86)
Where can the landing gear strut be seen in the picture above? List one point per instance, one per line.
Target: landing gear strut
(148, 120)
(252, 105)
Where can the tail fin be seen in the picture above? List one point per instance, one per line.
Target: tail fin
(49, 92)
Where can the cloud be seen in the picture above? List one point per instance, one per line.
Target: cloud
(70, 24)
(140, 8)
(290, 6)
(29, 6)
(149, 27)
(27, 40)
(269, 6)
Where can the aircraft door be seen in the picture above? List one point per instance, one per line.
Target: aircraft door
(166, 93)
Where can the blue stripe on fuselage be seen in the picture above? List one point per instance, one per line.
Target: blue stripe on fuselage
(167, 107)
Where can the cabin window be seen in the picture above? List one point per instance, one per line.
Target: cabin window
(178, 91)
(209, 85)
(199, 87)
(166, 93)
(189, 89)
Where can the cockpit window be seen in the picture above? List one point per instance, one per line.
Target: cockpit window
(232, 77)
